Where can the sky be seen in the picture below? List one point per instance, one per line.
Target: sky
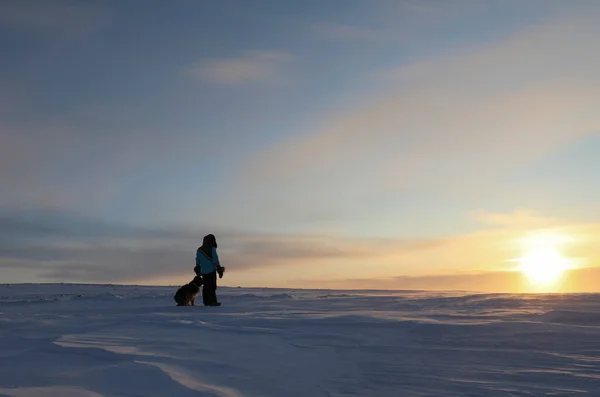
(327, 144)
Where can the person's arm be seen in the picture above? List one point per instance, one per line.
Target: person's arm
(197, 267)
(215, 257)
(220, 269)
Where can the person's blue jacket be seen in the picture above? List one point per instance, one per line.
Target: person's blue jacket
(206, 264)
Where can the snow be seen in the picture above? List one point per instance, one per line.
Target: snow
(103, 340)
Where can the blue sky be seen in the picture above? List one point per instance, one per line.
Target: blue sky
(321, 141)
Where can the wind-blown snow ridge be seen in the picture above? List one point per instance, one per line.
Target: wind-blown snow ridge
(180, 376)
(90, 341)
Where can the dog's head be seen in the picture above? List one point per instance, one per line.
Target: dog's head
(193, 287)
(197, 281)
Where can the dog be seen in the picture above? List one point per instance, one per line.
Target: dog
(187, 294)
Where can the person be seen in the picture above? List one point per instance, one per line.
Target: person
(207, 266)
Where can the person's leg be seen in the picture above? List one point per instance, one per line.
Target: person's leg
(208, 289)
(215, 300)
(211, 293)
(205, 290)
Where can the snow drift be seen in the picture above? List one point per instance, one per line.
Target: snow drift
(93, 340)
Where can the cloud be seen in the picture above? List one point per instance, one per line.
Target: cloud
(56, 224)
(399, 22)
(12, 97)
(254, 251)
(65, 247)
(575, 281)
(454, 122)
(500, 281)
(517, 219)
(56, 148)
(483, 259)
(349, 32)
(83, 159)
(260, 67)
(67, 18)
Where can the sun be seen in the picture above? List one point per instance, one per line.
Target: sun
(542, 263)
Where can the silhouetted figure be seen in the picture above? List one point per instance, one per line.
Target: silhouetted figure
(207, 265)
(186, 294)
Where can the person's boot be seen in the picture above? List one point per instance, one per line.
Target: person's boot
(214, 302)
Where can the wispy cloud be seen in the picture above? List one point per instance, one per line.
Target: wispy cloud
(73, 19)
(485, 258)
(517, 219)
(261, 67)
(577, 280)
(62, 246)
(399, 22)
(91, 151)
(66, 246)
(457, 120)
(55, 148)
(349, 32)
(12, 98)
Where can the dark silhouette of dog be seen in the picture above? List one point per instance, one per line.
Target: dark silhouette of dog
(187, 294)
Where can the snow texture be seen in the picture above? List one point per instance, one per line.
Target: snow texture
(103, 340)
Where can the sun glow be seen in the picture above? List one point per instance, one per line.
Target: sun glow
(543, 264)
